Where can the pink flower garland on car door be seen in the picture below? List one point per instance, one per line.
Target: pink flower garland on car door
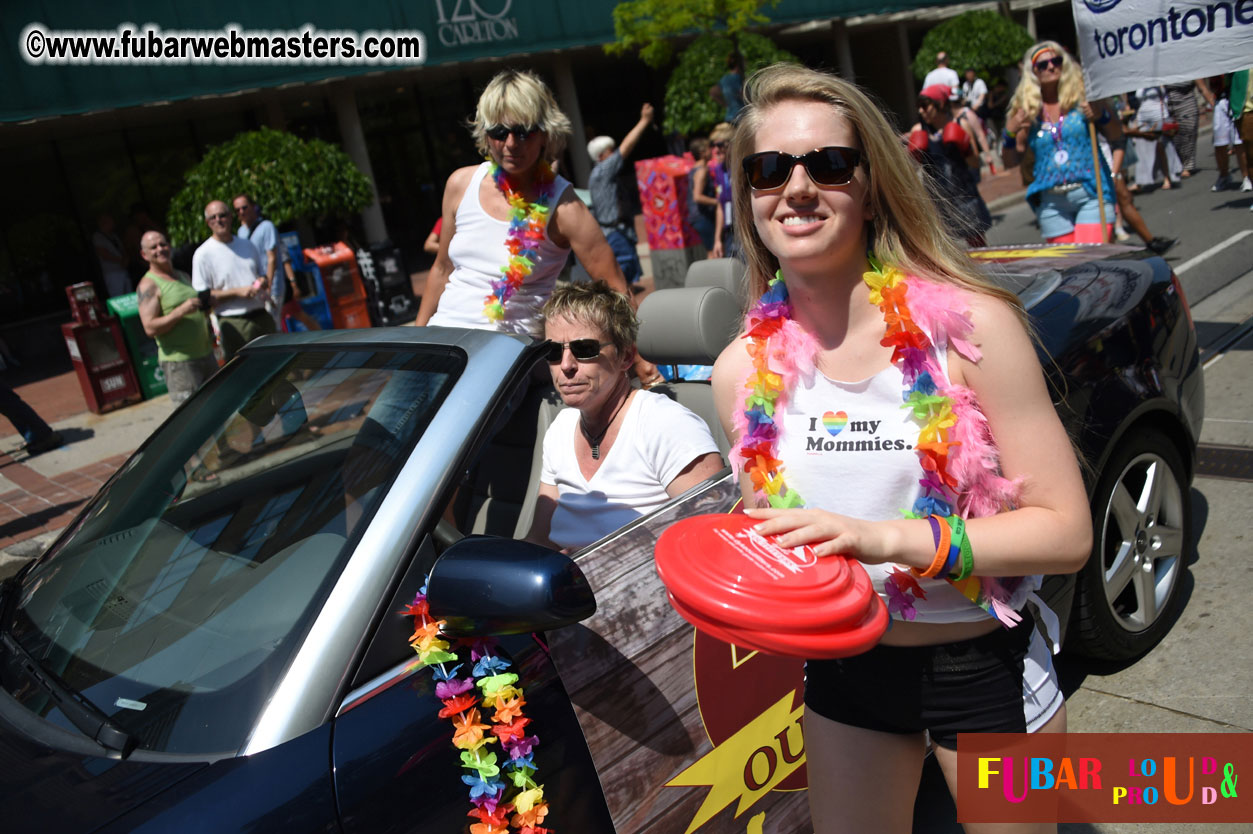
(528, 224)
(487, 776)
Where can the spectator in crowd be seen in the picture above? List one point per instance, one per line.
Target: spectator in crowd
(171, 312)
(1181, 102)
(231, 269)
(431, 244)
(702, 197)
(974, 91)
(284, 299)
(608, 205)
(947, 151)
(942, 74)
(1227, 141)
(729, 91)
(1155, 153)
(1046, 125)
(111, 253)
(262, 234)
(719, 169)
(616, 453)
(1100, 112)
(39, 436)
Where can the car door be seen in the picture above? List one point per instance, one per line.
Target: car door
(396, 769)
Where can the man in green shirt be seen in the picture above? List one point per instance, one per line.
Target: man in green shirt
(171, 313)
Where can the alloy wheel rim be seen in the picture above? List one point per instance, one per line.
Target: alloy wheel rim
(1142, 542)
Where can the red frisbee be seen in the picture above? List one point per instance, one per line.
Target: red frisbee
(744, 588)
(819, 646)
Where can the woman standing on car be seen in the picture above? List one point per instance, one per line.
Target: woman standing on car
(1047, 126)
(616, 453)
(509, 223)
(865, 299)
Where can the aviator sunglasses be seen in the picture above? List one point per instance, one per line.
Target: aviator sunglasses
(826, 166)
(520, 132)
(1055, 62)
(584, 350)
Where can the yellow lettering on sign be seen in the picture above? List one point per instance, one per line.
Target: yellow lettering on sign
(749, 764)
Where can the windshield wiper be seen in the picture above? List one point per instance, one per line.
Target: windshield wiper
(81, 712)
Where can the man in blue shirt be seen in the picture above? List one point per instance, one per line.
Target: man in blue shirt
(606, 199)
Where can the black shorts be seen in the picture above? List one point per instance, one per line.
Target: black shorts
(971, 686)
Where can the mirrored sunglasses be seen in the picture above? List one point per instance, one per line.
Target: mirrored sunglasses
(826, 166)
(520, 132)
(584, 350)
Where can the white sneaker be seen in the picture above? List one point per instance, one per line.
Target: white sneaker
(1247, 185)
(1120, 234)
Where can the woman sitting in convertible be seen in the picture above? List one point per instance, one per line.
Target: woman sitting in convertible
(617, 453)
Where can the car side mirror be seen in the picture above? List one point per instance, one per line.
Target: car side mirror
(488, 585)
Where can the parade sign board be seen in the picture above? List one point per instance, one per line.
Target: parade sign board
(688, 733)
(1128, 44)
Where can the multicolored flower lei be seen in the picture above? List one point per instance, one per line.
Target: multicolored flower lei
(528, 222)
(487, 779)
(773, 336)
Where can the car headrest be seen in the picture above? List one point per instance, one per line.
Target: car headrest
(727, 273)
(687, 325)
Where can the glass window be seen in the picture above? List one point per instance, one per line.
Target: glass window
(178, 598)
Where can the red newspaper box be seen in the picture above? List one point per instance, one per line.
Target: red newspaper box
(663, 184)
(98, 351)
(345, 293)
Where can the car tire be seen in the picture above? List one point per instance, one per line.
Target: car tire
(1130, 588)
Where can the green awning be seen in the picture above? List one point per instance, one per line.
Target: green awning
(451, 31)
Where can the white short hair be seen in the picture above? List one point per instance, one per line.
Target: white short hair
(598, 146)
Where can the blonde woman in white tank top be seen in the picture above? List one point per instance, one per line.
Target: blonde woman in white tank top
(834, 183)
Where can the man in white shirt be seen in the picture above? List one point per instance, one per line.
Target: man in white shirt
(974, 91)
(942, 74)
(231, 269)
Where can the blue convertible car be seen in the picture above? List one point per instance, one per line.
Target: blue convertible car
(216, 642)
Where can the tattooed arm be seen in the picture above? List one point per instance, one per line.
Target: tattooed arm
(150, 316)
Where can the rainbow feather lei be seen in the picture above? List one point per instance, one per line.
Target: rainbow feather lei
(528, 221)
(968, 484)
(487, 778)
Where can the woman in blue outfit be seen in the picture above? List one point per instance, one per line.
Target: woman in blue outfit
(1047, 129)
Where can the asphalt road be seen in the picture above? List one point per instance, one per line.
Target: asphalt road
(1199, 679)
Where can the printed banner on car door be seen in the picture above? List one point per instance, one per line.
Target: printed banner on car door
(689, 734)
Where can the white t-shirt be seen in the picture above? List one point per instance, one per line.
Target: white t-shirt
(942, 75)
(972, 91)
(478, 252)
(657, 440)
(223, 266)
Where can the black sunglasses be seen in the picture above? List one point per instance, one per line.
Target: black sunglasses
(826, 166)
(520, 132)
(584, 350)
(1055, 62)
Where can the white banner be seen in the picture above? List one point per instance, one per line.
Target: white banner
(1127, 44)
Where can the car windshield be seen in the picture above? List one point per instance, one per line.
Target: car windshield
(179, 596)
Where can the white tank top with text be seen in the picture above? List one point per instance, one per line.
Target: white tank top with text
(848, 447)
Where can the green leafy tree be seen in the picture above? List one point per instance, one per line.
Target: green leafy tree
(981, 40)
(290, 179)
(689, 108)
(649, 26)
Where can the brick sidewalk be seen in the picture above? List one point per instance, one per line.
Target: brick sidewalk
(43, 505)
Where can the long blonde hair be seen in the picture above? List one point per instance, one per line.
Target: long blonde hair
(1070, 89)
(906, 231)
